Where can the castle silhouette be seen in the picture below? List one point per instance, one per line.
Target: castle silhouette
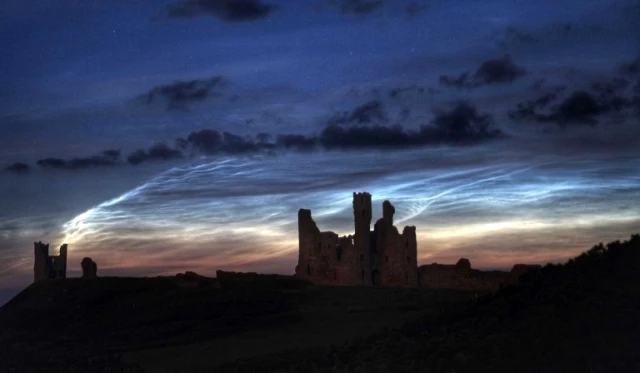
(382, 257)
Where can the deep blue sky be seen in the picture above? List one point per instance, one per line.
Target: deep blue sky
(77, 78)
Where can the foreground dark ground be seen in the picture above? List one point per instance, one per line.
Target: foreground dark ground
(583, 316)
(191, 323)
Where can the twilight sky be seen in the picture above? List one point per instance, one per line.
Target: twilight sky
(158, 137)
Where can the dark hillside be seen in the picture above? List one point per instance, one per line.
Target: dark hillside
(191, 323)
(583, 316)
(76, 317)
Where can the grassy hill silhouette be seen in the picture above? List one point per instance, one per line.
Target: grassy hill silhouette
(581, 316)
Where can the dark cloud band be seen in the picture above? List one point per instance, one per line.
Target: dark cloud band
(227, 10)
(178, 95)
(495, 71)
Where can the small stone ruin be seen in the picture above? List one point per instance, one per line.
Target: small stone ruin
(89, 268)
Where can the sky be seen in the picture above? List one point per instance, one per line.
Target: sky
(159, 137)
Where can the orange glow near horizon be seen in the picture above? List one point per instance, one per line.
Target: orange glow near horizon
(188, 218)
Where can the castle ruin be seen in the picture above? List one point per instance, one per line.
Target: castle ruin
(382, 257)
(47, 266)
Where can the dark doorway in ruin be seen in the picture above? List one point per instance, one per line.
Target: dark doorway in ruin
(375, 277)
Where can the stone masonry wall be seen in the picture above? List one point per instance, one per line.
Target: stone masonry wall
(47, 266)
(379, 257)
(383, 257)
(397, 253)
(324, 257)
(40, 264)
(362, 237)
(462, 277)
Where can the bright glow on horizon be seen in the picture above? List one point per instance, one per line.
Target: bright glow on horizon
(200, 216)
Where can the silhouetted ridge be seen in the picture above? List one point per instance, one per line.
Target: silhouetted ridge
(581, 316)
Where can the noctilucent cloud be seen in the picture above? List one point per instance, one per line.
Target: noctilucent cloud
(506, 131)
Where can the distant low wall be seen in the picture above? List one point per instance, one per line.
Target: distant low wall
(462, 277)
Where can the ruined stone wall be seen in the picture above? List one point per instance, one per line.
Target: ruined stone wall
(308, 236)
(350, 262)
(459, 277)
(395, 270)
(41, 261)
(47, 266)
(379, 257)
(462, 277)
(324, 257)
(397, 252)
(362, 219)
(59, 263)
(409, 243)
(439, 276)
(334, 261)
(322, 268)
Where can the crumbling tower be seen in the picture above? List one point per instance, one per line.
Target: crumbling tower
(308, 239)
(361, 239)
(387, 212)
(60, 262)
(47, 266)
(40, 265)
(382, 257)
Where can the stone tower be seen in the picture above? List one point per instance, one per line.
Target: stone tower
(41, 264)
(47, 266)
(308, 238)
(387, 212)
(60, 262)
(361, 239)
(382, 257)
